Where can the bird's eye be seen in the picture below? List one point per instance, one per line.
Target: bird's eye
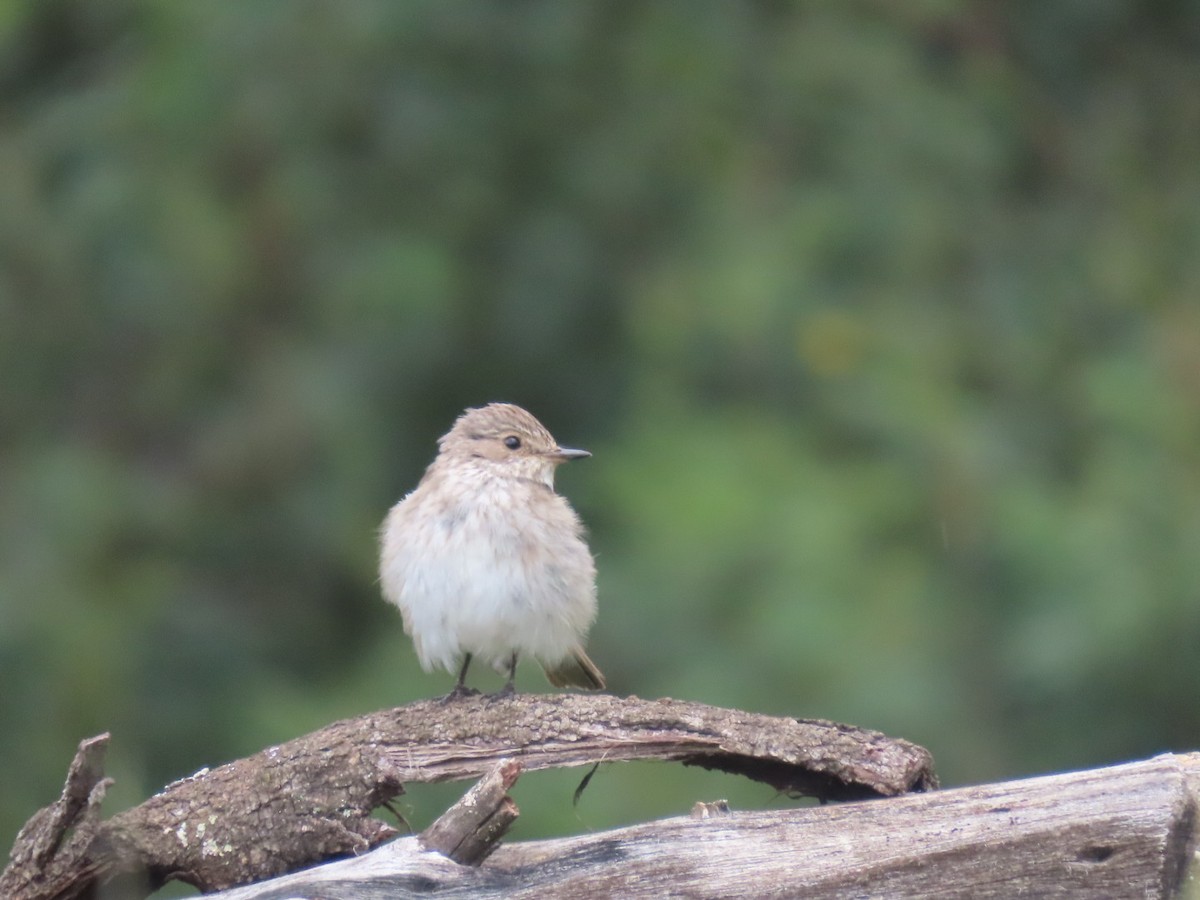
(512, 442)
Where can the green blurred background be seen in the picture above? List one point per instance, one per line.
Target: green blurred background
(882, 321)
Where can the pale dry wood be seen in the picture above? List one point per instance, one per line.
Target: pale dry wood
(311, 799)
(1121, 832)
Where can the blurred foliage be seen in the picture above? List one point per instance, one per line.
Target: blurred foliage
(881, 320)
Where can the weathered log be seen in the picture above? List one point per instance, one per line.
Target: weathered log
(311, 799)
(1122, 832)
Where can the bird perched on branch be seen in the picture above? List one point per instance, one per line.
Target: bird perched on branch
(486, 561)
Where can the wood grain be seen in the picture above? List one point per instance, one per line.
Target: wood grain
(1121, 832)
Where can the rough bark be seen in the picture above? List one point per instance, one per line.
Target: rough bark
(311, 799)
(52, 850)
(1123, 832)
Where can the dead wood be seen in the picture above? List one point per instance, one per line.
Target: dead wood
(1107, 834)
(470, 830)
(311, 799)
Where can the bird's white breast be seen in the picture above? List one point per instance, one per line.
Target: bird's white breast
(492, 566)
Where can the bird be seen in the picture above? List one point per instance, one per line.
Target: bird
(486, 561)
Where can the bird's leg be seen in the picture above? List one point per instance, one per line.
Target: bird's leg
(460, 686)
(510, 686)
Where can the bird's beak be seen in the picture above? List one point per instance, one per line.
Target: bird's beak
(562, 454)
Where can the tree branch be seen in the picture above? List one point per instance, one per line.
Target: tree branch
(51, 851)
(311, 799)
(470, 830)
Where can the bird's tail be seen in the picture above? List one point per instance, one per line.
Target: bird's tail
(576, 670)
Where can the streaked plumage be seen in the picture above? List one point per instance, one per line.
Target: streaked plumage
(484, 558)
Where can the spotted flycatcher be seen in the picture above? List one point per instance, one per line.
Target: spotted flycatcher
(486, 561)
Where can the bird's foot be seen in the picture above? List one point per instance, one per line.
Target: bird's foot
(509, 690)
(460, 692)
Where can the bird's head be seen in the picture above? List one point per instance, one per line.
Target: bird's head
(510, 439)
